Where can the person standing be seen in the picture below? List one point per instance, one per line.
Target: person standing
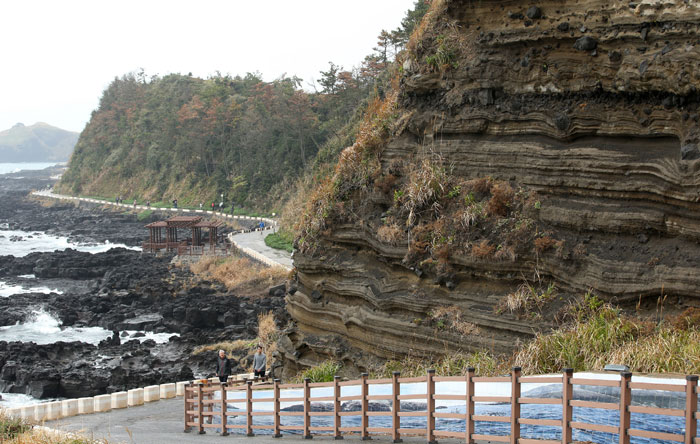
(259, 363)
(223, 366)
(233, 205)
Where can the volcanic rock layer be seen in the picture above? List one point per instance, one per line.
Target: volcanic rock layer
(593, 106)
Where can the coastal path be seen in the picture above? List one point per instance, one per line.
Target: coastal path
(161, 423)
(250, 243)
(158, 423)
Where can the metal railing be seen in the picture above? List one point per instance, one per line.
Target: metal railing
(202, 407)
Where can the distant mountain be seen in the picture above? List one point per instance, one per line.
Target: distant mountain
(40, 142)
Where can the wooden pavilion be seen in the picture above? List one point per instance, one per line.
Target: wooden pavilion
(192, 245)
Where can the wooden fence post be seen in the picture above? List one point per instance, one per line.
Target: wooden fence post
(364, 419)
(567, 414)
(625, 401)
(336, 408)
(200, 410)
(276, 408)
(691, 406)
(188, 403)
(249, 408)
(429, 393)
(515, 405)
(307, 409)
(395, 407)
(469, 425)
(224, 430)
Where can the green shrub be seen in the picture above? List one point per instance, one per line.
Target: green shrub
(323, 372)
(281, 240)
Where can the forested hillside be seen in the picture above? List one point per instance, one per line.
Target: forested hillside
(191, 139)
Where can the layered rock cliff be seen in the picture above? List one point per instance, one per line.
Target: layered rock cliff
(550, 143)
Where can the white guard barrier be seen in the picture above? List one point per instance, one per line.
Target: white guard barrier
(103, 403)
(135, 397)
(119, 400)
(167, 391)
(151, 393)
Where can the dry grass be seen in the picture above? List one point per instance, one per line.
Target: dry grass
(428, 181)
(527, 299)
(236, 272)
(599, 334)
(19, 431)
(268, 334)
(544, 243)
(502, 195)
(452, 318)
(228, 346)
(390, 234)
(483, 249)
(358, 165)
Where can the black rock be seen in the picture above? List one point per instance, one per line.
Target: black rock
(563, 27)
(585, 43)
(690, 151)
(277, 290)
(615, 56)
(533, 12)
(562, 122)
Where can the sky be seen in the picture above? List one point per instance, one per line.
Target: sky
(59, 56)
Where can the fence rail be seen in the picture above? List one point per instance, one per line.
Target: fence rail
(202, 406)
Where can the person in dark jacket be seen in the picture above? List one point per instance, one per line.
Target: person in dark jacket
(223, 366)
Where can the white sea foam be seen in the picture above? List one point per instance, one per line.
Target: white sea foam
(26, 242)
(8, 289)
(11, 400)
(43, 328)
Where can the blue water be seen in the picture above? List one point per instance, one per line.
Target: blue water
(639, 421)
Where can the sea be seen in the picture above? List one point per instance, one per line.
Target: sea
(6, 168)
(532, 411)
(40, 326)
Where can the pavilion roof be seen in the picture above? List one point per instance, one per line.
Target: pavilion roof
(183, 221)
(158, 224)
(208, 224)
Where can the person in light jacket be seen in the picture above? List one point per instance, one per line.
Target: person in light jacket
(259, 363)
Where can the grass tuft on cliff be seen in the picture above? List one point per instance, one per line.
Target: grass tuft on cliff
(323, 372)
(595, 334)
(601, 334)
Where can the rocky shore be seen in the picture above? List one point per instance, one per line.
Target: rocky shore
(117, 290)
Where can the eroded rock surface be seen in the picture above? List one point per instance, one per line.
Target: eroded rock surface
(592, 106)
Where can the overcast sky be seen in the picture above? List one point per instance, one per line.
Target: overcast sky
(58, 56)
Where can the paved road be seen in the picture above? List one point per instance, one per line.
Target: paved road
(256, 241)
(162, 423)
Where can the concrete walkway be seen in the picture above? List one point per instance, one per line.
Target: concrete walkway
(255, 240)
(162, 423)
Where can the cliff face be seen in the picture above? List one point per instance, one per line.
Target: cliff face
(584, 115)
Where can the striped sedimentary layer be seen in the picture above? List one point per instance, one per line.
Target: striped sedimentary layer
(592, 105)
